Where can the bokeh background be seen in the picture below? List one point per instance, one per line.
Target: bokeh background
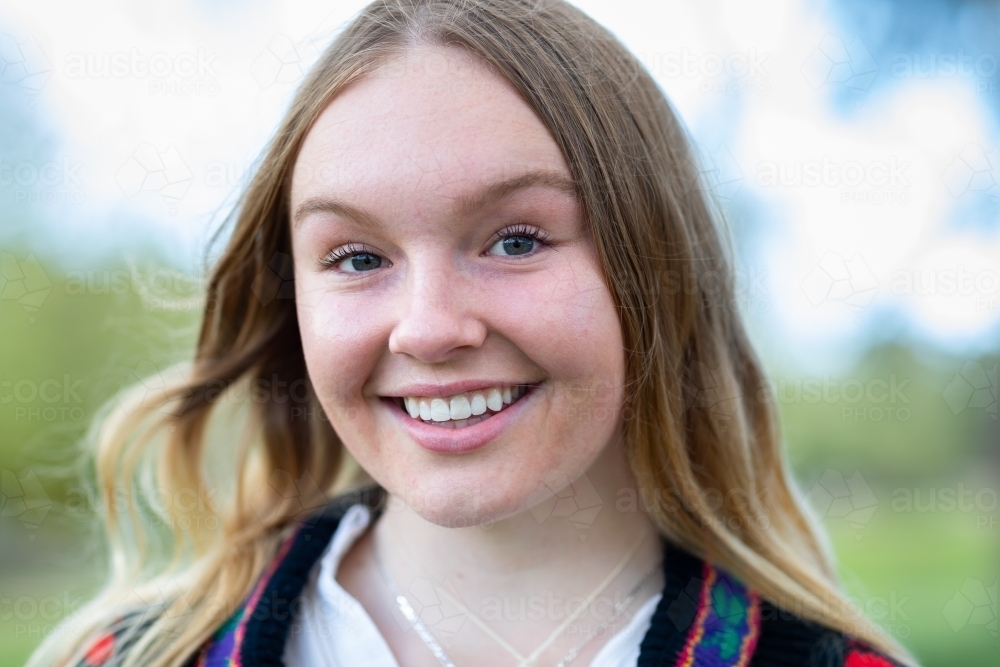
(853, 145)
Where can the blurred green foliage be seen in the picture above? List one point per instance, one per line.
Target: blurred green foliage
(899, 456)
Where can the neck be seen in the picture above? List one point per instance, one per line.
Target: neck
(545, 552)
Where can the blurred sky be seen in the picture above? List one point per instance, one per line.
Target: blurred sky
(854, 146)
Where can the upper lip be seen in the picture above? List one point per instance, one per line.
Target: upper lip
(462, 387)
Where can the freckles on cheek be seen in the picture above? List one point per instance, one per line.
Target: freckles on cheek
(569, 327)
(341, 343)
(563, 317)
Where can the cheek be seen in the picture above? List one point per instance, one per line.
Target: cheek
(341, 340)
(566, 321)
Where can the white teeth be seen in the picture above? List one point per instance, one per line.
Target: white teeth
(494, 400)
(413, 407)
(460, 407)
(440, 411)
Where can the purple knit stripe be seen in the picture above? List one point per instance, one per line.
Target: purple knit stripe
(730, 626)
(223, 649)
(219, 650)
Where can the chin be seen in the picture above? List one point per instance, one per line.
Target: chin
(467, 505)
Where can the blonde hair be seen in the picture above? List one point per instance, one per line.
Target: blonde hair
(700, 427)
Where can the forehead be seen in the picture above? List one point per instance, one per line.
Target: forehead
(433, 121)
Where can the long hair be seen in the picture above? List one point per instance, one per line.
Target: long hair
(700, 426)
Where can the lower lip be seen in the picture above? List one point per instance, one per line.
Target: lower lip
(443, 440)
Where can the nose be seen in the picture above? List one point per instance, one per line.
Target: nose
(438, 316)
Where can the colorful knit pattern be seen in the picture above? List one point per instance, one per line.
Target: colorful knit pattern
(860, 654)
(223, 649)
(706, 618)
(726, 625)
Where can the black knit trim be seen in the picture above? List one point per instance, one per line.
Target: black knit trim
(787, 640)
(676, 610)
(271, 618)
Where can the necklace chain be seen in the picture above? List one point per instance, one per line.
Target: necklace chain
(619, 610)
(431, 642)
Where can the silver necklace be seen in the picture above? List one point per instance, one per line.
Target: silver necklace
(438, 651)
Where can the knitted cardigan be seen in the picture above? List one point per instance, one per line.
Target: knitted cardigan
(706, 617)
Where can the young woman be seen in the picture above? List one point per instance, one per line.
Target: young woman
(477, 257)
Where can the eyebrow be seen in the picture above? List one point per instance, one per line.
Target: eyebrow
(465, 206)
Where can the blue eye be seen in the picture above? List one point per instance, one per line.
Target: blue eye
(361, 262)
(514, 245)
(517, 241)
(352, 258)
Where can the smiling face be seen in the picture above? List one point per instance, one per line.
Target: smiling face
(454, 319)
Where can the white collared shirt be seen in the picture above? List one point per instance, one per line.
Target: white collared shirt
(332, 629)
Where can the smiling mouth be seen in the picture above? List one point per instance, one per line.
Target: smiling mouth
(464, 409)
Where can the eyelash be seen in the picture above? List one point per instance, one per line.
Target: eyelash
(338, 255)
(521, 229)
